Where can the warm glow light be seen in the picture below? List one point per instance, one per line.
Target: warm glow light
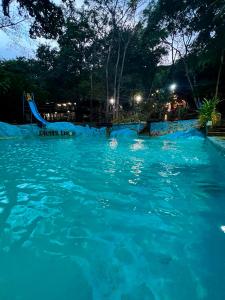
(112, 101)
(168, 106)
(64, 104)
(69, 103)
(59, 105)
(138, 98)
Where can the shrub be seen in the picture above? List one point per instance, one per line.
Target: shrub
(207, 110)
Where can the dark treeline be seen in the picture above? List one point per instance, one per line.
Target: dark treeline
(115, 50)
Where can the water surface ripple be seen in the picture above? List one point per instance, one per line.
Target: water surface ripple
(111, 219)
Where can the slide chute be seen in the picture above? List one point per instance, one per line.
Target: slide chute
(34, 110)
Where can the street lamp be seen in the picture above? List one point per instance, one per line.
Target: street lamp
(173, 87)
(138, 98)
(112, 101)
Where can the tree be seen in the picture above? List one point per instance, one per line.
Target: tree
(46, 17)
(120, 22)
(16, 77)
(190, 28)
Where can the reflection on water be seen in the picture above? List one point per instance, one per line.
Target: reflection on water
(223, 228)
(138, 145)
(117, 219)
(113, 144)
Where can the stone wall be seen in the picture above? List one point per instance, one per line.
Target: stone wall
(162, 128)
(132, 126)
(32, 130)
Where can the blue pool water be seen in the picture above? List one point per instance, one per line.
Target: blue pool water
(91, 218)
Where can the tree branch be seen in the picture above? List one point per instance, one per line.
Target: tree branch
(10, 24)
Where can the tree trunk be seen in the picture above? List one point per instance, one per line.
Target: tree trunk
(121, 70)
(151, 86)
(115, 80)
(150, 92)
(219, 73)
(121, 75)
(107, 79)
(91, 96)
(190, 82)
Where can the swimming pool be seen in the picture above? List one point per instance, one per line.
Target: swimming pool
(91, 218)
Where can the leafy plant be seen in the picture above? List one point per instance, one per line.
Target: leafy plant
(207, 110)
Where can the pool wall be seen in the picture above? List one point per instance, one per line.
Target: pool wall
(14, 131)
(32, 130)
(126, 129)
(219, 143)
(132, 126)
(163, 128)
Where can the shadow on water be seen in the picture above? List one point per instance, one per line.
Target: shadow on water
(7, 207)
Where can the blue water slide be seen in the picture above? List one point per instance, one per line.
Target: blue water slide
(35, 112)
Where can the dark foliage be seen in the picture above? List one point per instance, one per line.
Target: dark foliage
(48, 17)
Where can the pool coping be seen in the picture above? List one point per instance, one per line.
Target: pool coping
(218, 143)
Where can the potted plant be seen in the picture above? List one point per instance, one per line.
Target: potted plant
(208, 112)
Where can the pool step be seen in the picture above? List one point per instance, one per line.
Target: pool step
(218, 128)
(216, 134)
